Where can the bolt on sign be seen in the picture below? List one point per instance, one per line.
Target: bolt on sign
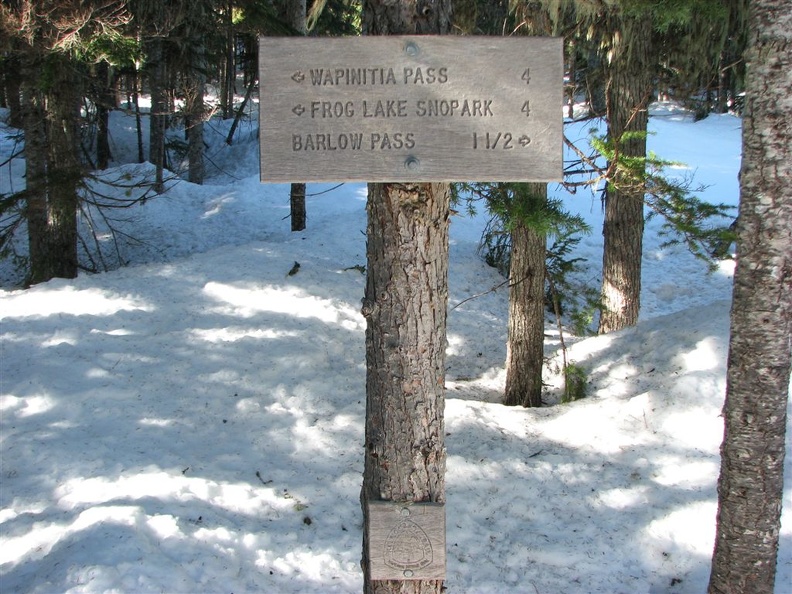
(411, 108)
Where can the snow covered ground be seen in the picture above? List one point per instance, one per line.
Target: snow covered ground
(193, 422)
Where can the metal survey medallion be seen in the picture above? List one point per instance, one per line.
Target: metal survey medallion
(411, 108)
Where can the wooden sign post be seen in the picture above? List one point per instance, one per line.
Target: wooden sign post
(406, 110)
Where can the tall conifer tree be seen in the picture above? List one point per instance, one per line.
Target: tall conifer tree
(751, 480)
(48, 37)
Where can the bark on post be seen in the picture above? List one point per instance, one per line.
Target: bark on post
(751, 482)
(405, 307)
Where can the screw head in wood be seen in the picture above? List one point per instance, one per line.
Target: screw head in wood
(412, 163)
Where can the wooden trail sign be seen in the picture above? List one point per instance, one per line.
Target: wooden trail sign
(411, 108)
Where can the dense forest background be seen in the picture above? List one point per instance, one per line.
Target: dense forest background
(67, 65)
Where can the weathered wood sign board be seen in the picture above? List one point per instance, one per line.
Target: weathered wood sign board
(406, 541)
(411, 108)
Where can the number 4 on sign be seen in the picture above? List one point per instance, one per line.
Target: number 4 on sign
(526, 75)
(526, 109)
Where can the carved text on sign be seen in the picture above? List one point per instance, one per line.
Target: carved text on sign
(402, 108)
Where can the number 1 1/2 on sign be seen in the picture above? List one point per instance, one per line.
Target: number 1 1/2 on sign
(499, 141)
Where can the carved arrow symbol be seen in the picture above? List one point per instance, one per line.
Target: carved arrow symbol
(298, 77)
(524, 140)
(298, 110)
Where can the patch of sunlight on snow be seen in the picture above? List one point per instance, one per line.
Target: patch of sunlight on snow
(678, 471)
(216, 205)
(239, 497)
(311, 439)
(726, 268)
(26, 406)
(116, 332)
(691, 528)
(149, 422)
(592, 428)
(307, 564)
(248, 405)
(164, 526)
(591, 346)
(216, 335)
(37, 303)
(620, 498)
(60, 337)
(618, 371)
(43, 537)
(702, 358)
(7, 514)
(292, 301)
(454, 344)
(221, 539)
(63, 425)
(97, 373)
(698, 428)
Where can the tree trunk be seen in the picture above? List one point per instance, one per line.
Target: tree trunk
(159, 107)
(595, 85)
(629, 84)
(297, 206)
(52, 170)
(240, 112)
(227, 86)
(135, 79)
(525, 348)
(723, 83)
(196, 32)
(293, 12)
(195, 129)
(63, 169)
(195, 112)
(571, 87)
(750, 487)
(105, 102)
(405, 306)
(11, 93)
(35, 172)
